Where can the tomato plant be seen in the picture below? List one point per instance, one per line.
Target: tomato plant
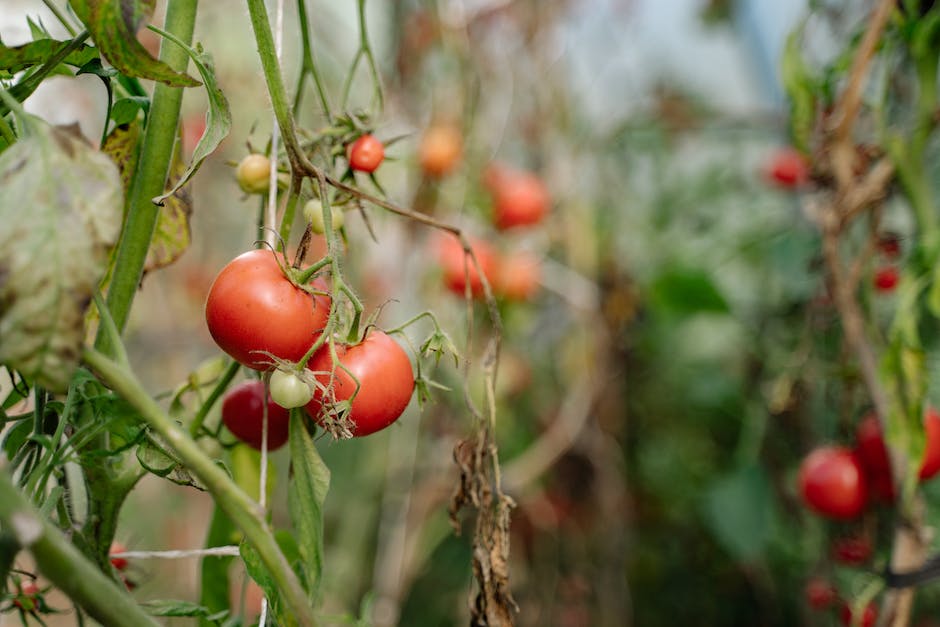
(385, 383)
(458, 267)
(868, 618)
(519, 198)
(832, 482)
(440, 150)
(243, 414)
(871, 449)
(289, 390)
(119, 563)
(788, 168)
(518, 276)
(819, 593)
(254, 311)
(313, 214)
(254, 174)
(852, 550)
(886, 279)
(365, 154)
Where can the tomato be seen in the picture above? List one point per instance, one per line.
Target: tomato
(119, 563)
(313, 214)
(386, 382)
(871, 449)
(852, 550)
(832, 482)
(27, 599)
(889, 245)
(788, 168)
(519, 198)
(886, 279)
(450, 255)
(365, 154)
(868, 619)
(819, 593)
(243, 415)
(518, 276)
(252, 307)
(288, 390)
(440, 150)
(254, 174)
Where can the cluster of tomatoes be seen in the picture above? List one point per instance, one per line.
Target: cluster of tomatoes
(519, 200)
(268, 316)
(840, 483)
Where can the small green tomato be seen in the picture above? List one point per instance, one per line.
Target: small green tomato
(254, 174)
(313, 213)
(288, 390)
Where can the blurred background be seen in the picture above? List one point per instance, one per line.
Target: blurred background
(662, 374)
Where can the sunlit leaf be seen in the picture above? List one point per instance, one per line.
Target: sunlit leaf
(113, 25)
(60, 211)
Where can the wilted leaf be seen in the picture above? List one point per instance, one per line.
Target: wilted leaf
(155, 459)
(113, 25)
(218, 119)
(60, 211)
(19, 58)
(306, 492)
(122, 145)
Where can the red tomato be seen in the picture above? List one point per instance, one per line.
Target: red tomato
(788, 168)
(243, 415)
(119, 563)
(440, 150)
(519, 198)
(832, 482)
(852, 550)
(930, 466)
(886, 279)
(518, 276)
(252, 307)
(450, 255)
(871, 449)
(868, 617)
(889, 245)
(28, 597)
(386, 381)
(819, 593)
(365, 154)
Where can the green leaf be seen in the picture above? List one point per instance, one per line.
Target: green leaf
(53, 254)
(258, 572)
(8, 550)
(687, 291)
(18, 58)
(737, 509)
(801, 87)
(172, 607)
(307, 488)
(113, 25)
(125, 110)
(218, 118)
(155, 459)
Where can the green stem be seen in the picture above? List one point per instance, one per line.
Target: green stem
(370, 58)
(293, 196)
(309, 65)
(6, 131)
(64, 565)
(59, 16)
(151, 174)
(244, 512)
(217, 391)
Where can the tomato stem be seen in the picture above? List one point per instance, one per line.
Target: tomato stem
(230, 371)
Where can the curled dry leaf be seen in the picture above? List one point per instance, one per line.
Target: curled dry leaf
(60, 213)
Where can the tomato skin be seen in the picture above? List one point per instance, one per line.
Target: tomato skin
(852, 551)
(819, 593)
(28, 597)
(440, 150)
(254, 174)
(243, 415)
(868, 617)
(253, 307)
(930, 466)
(288, 390)
(119, 563)
(886, 279)
(519, 198)
(788, 169)
(450, 255)
(365, 154)
(832, 482)
(313, 214)
(518, 277)
(889, 245)
(871, 449)
(385, 378)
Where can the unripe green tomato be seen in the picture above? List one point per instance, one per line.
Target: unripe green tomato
(313, 214)
(254, 174)
(288, 390)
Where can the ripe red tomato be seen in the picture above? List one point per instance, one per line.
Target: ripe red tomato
(386, 381)
(365, 154)
(519, 198)
(252, 307)
(119, 563)
(440, 150)
(243, 415)
(871, 449)
(852, 550)
(450, 255)
(788, 168)
(868, 617)
(518, 276)
(819, 593)
(886, 279)
(832, 482)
